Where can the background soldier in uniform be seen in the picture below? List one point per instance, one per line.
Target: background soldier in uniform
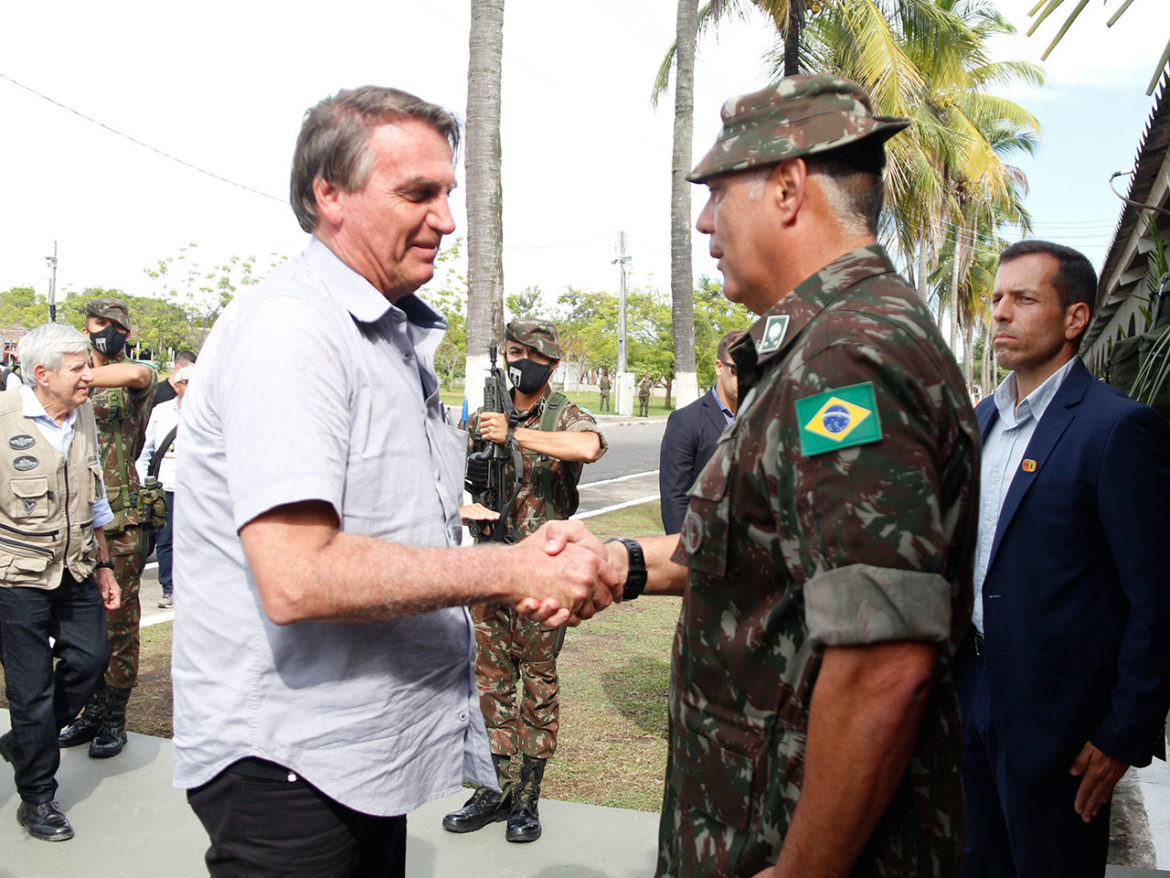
(122, 393)
(645, 387)
(825, 557)
(603, 388)
(555, 438)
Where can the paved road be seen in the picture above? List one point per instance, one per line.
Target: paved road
(628, 473)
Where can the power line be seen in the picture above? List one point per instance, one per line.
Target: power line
(138, 142)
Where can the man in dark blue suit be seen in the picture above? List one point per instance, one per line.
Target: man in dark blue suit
(691, 435)
(1065, 679)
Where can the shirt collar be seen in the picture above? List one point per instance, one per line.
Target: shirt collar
(1035, 403)
(31, 407)
(360, 298)
(727, 413)
(801, 304)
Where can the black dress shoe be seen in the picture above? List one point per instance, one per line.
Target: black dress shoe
(44, 820)
(6, 746)
(482, 808)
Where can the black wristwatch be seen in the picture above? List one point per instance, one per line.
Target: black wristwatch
(108, 565)
(636, 577)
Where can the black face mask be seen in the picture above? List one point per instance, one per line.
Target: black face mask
(109, 341)
(527, 376)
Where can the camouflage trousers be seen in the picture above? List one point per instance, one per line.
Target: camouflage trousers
(643, 406)
(122, 623)
(604, 401)
(513, 652)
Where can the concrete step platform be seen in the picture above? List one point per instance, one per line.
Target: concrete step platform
(131, 823)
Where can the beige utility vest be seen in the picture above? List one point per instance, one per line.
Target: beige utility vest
(46, 499)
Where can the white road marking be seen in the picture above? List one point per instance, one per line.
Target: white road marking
(652, 472)
(616, 507)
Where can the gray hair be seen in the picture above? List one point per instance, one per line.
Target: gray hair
(47, 346)
(851, 181)
(336, 133)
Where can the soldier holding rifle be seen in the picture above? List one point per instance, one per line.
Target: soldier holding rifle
(552, 438)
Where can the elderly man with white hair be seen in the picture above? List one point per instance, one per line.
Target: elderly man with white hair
(57, 578)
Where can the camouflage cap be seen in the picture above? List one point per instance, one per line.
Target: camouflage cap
(802, 115)
(113, 310)
(541, 337)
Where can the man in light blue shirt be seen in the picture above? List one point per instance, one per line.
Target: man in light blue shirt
(324, 664)
(52, 544)
(1065, 679)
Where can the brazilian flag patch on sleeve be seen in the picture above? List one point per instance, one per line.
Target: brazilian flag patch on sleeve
(838, 419)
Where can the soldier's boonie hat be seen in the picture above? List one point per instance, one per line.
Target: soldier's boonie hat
(113, 310)
(541, 337)
(801, 115)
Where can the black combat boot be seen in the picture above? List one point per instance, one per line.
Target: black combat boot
(524, 821)
(85, 726)
(111, 737)
(484, 806)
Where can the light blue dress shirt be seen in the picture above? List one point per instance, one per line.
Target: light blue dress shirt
(727, 413)
(1003, 455)
(314, 387)
(59, 437)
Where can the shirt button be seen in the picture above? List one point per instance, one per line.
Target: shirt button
(406, 355)
(463, 716)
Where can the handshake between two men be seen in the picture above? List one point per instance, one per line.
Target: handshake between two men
(567, 574)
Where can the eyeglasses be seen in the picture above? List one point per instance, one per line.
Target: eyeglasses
(730, 366)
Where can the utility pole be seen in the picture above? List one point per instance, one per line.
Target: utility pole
(52, 260)
(624, 396)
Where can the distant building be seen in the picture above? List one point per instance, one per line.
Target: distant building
(1123, 309)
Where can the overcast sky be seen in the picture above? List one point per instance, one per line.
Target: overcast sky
(223, 85)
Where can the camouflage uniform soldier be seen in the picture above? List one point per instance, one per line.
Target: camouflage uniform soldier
(556, 439)
(603, 387)
(122, 394)
(645, 386)
(826, 554)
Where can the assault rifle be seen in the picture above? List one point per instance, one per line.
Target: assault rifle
(487, 465)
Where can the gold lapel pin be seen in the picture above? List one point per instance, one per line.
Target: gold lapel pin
(1029, 465)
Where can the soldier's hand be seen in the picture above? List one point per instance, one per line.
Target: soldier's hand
(493, 426)
(108, 586)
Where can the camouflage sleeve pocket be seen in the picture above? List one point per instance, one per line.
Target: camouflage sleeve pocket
(861, 604)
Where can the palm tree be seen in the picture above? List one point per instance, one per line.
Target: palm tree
(681, 276)
(949, 185)
(1045, 8)
(485, 223)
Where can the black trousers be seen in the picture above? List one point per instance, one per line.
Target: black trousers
(1017, 828)
(263, 824)
(41, 700)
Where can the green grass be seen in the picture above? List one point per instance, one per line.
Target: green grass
(615, 675)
